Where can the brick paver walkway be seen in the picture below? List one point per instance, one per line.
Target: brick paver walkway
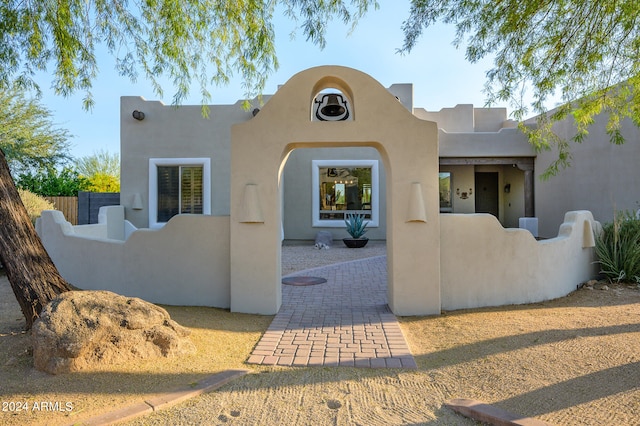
(343, 322)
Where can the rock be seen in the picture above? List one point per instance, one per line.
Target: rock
(81, 329)
(324, 239)
(334, 404)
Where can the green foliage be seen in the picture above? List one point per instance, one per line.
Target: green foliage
(28, 137)
(356, 225)
(618, 248)
(102, 171)
(587, 52)
(203, 42)
(34, 204)
(53, 183)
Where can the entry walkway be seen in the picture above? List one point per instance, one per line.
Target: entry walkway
(343, 322)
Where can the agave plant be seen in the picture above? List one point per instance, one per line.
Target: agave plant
(355, 225)
(618, 248)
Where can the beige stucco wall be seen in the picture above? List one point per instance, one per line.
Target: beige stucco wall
(482, 264)
(602, 178)
(509, 142)
(486, 265)
(174, 132)
(409, 151)
(458, 119)
(184, 263)
(465, 118)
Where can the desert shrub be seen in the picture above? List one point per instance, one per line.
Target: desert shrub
(618, 248)
(34, 204)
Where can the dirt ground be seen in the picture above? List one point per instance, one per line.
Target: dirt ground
(571, 361)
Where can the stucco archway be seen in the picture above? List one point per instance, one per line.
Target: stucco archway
(409, 150)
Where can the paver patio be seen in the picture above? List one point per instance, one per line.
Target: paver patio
(343, 322)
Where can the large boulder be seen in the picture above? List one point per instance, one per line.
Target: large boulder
(81, 329)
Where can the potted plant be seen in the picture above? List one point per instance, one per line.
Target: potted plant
(356, 225)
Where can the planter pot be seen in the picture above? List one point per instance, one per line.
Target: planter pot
(355, 242)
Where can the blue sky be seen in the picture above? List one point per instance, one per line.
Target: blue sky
(440, 74)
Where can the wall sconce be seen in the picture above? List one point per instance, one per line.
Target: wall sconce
(588, 236)
(137, 202)
(138, 115)
(464, 195)
(251, 210)
(507, 188)
(416, 211)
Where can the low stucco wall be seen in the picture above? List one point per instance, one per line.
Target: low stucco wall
(188, 261)
(483, 264)
(184, 263)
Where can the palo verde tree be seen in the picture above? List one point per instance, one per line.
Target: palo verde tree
(102, 170)
(585, 52)
(193, 42)
(100, 162)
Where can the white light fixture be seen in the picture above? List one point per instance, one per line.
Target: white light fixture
(137, 202)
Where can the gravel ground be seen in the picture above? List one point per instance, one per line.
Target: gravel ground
(571, 361)
(300, 255)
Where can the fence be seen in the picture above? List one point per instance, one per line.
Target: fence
(89, 204)
(68, 206)
(83, 209)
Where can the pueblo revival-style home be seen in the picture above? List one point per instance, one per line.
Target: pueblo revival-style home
(206, 202)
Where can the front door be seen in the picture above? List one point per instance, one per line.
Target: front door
(486, 192)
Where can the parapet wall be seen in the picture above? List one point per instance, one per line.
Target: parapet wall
(184, 263)
(483, 264)
(188, 261)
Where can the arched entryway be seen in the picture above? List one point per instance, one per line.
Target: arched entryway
(408, 149)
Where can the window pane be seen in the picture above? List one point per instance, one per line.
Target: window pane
(344, 190)
(179, 191)
(191, 190)
(339, 196)
(168, 192)
(445, 192)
